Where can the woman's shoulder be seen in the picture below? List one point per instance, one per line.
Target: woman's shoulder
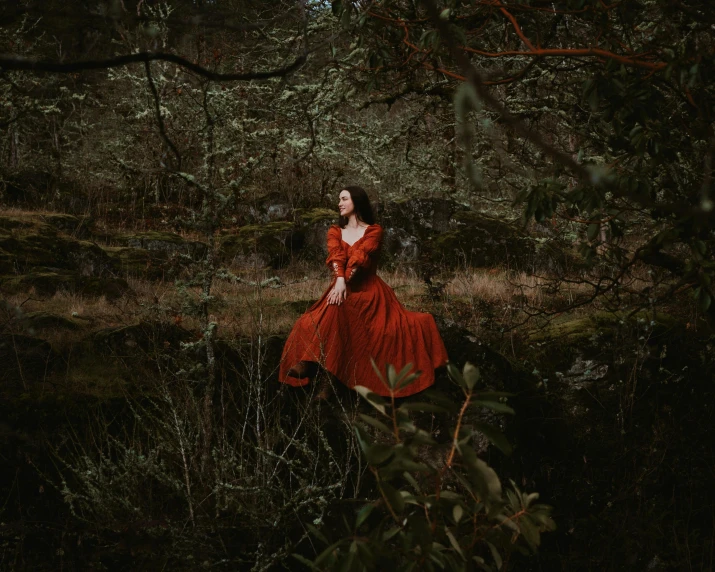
(373, 228)
(334, 228)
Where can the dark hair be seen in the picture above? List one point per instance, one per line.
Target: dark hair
(361, 202)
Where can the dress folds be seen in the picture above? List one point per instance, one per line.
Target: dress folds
(370, 323)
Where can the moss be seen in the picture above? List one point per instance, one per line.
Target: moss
(38, 244)
(7, 262)
(11, 222)
(24, 360)
(166, 242)
(48, 283)
(314, 216)
(70, 224)
(572, 330)
(46, 320)
(137, 261)
(269, 242)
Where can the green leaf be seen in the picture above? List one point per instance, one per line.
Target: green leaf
(326, 556)
(494, 406)
(495, 437)
(378, 453)
(492, 395)
(387, 535)
(453, 542)
(391, 376)
(456, 375)
(407, 380)
(377, 424)
(363, 514)
(315, 532)
(373, 398)
(592, 231)
(422, 406)
(363, 438)
(457, 512)
(704, 300)
(471, 375)
(303, 560)
(393, 496)
(495, 555)
(379, 373)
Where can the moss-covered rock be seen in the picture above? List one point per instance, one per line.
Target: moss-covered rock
(47, 283)
(33, 321)
(31, 244)
(267, 244)
(78, 226)
(146, 338)
(138, 262)
(478, 240)
(166, 242)
(317, 216)
(24, 360)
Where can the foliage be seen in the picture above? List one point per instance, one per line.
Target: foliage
(437, 509)
(605, 114)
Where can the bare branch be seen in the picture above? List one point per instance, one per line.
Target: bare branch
(19, 63)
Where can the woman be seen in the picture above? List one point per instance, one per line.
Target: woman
(359, 316)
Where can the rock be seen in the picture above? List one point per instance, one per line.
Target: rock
(33, 321)
(399, 247)
(166, 242)
(475, 239)
(418, 217)
(30, 244)
(139, 262)
(24, 360)
(47, 283)
(266, 245)
(76, 226)
(147, 338)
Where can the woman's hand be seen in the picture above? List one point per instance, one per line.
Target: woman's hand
(338, 293)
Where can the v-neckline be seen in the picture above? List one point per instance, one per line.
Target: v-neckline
(358, 240)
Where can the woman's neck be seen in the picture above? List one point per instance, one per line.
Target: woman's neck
(353, 222)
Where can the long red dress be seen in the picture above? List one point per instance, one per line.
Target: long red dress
(371, 322)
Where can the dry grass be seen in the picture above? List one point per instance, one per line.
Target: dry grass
(246, 309)
(470, 297)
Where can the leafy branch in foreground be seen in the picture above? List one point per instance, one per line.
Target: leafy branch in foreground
(437, 507)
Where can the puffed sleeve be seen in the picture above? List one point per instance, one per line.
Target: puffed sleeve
(336, 252)
(368, 247)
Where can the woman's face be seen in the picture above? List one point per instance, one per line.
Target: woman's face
(345, 204)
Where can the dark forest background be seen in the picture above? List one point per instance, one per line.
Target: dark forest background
(544, 175)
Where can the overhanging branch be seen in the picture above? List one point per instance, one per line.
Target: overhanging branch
(19, 63)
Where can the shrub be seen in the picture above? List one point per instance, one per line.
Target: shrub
(436, 507)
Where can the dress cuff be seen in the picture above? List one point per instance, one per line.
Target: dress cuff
(338, 271)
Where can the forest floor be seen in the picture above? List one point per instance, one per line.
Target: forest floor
(602, 390)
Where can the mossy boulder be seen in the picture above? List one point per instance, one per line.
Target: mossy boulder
(475, 239)
(623, 430)
(77, 226)
(30, 243)
(168, 243)
(420, 218)
(33, 321)
(147, 338)
(266, 245)
(47, 283)
(7, 262)
(316, 216)
(24, 360)
(139, 262)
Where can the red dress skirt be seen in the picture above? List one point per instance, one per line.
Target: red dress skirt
(370, 323)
